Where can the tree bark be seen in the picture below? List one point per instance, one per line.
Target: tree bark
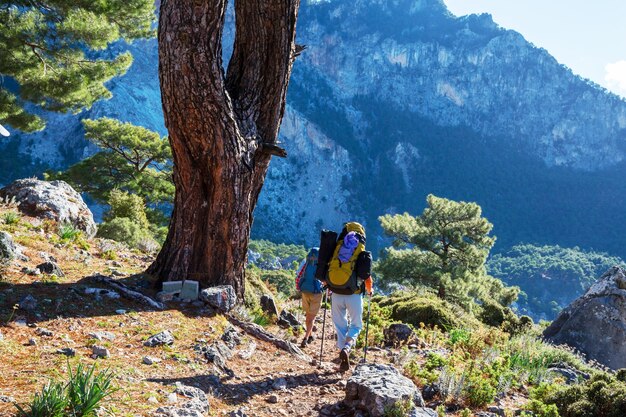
(217, 126)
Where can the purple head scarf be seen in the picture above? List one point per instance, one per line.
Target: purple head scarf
(350, 242)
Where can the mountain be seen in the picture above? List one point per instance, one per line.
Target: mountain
(395, 99)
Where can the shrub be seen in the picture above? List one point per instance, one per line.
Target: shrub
(123, 229)
(130, 206)
(254, 289)
(282, 280)
(69, 232)
(50, 402)
(424, 310)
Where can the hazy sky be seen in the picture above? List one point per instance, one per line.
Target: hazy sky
(589, 36)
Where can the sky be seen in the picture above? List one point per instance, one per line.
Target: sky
(588, 36)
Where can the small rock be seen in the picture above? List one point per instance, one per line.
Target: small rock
(66, 351)
(102, 336)
(6, 399)
(172, 398)
(50, 268)
(100, 352)
(231, 337)
(1, 336)
(287, 319)
(163, 296)
(397, 334)
(150, 360)
(430, 391)
(272, 399)
(44, 332)
(32, 342)
(280, 384)
(497, 410)
(222, 297)
(153, 400)
(422, 412)
(268, 305)
(120, 311)
(159, 339)
(99, 292)
(28, 303)
(248, 351)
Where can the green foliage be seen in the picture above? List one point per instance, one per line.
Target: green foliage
(69, 232)
(50, 402)
(81, 396)
(133, 159)
(47, 49)
(493, 314)
(254, 289)
(380, 319)
(428, 372)
(601, 395)
(539, 409)
(444, 248)
(551, 276)
(126, 220)
(11, 217)
(398, 409)
(283, 281)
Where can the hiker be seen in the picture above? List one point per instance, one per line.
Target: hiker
(349, 279)
(311, 291)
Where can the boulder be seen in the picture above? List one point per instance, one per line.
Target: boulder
(50, 268)
(397, 334)
(222, 297)
(595, 323)
(375, 388)
(55, 200)
(8, 249)
(268, 305)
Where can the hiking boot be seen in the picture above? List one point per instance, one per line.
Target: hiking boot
(304, 343)
(344, 356)
(310, 339)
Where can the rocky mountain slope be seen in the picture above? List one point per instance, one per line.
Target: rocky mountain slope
(393, 100)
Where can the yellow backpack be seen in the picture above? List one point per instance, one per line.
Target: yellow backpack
(342, 278)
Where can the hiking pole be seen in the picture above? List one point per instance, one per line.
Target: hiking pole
(319, 365)
(367, 327)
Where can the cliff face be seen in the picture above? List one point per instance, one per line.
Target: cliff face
(395, 99)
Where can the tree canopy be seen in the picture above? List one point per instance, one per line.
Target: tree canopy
(47, 49)
(132, 159)
(444, 248)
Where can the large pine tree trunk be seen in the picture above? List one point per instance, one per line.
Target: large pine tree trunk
(222, 128)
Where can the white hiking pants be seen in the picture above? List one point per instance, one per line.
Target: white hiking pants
(342, 307)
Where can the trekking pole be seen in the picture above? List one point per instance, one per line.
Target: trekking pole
(367, 327)
(319, 365)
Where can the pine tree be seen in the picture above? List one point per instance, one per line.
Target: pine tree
(444, 248)
(133, 159)
(47, 53)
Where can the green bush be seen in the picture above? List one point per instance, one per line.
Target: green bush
(283, 280)
(123, 229)
(254, 289)
(424, 310)
(11, 217)
(50, 402)
(130, 206)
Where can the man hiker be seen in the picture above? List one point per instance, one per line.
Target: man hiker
(349, 279)
(311, 291)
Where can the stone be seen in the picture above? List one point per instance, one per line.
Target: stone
(430, 391)
(268, 305)
(571, 375)
(6, 399)
(190, 290)
(237, 413)
(102, 336)
(100, 352)
(32, 342)
(8, 248)
(231, 337)
(222, 297)
(55, 200)
(375, 387)
(150, 360)
(280, 384)
(248, 351)
(422, 412)
(103, 292)
(120, 311)
(66, 351)
(153, 400)
(497, 410)
(195, 394)
(160, 339)
(44, 332)
(50, 268)
(1, 336)
(163, 296)
(272, 399)
(595, 323)
(397, 334)
(485, 414)
(28, 303)
(288, 319)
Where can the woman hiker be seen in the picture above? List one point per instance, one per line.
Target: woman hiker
(311, 292)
